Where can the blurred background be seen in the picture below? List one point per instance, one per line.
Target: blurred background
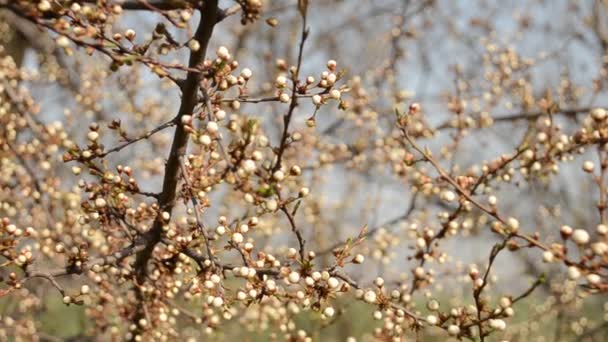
(481, 71)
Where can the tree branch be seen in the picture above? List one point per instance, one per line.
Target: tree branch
(166, 199)
(294, 95)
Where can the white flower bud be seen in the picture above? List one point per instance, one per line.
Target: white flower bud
(271, 285)
(304, 192)
(212, 126)
(453, 330)
(281, 81)
(44, 6)
(593, 278)
(93, 136)
(573, 273)
(205, 139)
(249, 166)
(278, 175)
(331, 79)
(63, 42)
(370, 296)
(218, 301)
(548, 256)
(580, 236)
(223, 53)
(272, 205)
(100, 202)
(598, 113)
(448, 196)
(513, 224)
(379, 282)
(419, 272)
(246, 73)
(294, 277)
(492, 200)
(237, 238)
(186, 119)
(194, 45)
(317, 100)
(130, 34)
(599, 248)
(220, 114)
(433, 305)
(432, 319)
(333, 282)
(498, 324)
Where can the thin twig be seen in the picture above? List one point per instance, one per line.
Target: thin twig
(371, 232)
(294, 98)
(146, 135)
(295, 230)
(194, 201)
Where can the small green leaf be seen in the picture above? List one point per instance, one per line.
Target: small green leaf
(265, 191)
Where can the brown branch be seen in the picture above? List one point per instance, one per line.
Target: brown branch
(218, 140)
(229, 12)
(170, 5)
(295, 230)
(118, 54)
(180, 140)
(294, 98)
(192, 254)
(111, 259)
(600, 180)
(128, 142)
(166, 199)
(345, 277)
(466, 194)
(48, 277)
(434, 241)
(567, 112)
(139, 5)
(477, 291)
(268, 99)
(373, 231)
(199, 221)
(534, 286)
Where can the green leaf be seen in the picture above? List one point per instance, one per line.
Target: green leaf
(252, 125)
(265, 191)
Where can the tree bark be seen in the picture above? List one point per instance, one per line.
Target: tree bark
(166, 199)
